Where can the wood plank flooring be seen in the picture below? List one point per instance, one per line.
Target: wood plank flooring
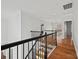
(64, 50)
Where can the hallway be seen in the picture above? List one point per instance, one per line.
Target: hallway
(64, 50)
(37, 29)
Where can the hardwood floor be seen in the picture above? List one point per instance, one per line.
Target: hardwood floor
(64, 50)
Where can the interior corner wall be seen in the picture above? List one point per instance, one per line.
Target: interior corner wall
(75, 24)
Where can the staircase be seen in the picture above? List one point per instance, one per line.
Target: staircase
(51, 45)
(40, 47)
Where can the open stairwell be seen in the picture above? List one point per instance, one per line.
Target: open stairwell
(39, 47)
(51, 45)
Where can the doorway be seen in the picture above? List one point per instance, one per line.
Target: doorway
(68, 29)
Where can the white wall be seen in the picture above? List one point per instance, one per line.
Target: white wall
(11, 26)
(29, 22)
(75, 24)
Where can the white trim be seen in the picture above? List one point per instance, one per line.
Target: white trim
(51, 51)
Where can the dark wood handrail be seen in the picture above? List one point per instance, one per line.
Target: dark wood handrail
(9, 45)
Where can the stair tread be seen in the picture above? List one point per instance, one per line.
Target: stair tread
(40, 52)
(44, 48)
(38, 57)
(48, 46)
(49, 42)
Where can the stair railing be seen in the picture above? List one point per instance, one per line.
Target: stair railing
(34, 40)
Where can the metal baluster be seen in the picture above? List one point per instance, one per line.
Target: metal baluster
(17, 51)
(23, 50)
(52, 36)
(56, 37)
(52, 39)
(38, 48)
(28, 50)
(32, 50)
(42, 51)
(35, 50)
(9, 54)
(45, 55)
(40, 45)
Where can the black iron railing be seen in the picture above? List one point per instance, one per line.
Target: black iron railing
(33, 49)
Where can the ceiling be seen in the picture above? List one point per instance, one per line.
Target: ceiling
(43, 9)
